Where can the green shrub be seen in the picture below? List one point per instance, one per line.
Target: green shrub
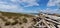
(24, 20)
(30, 27)
(0, 26)
(22, 27)
(7, 23)
(3, 18)
(20, 23)
(14, 23)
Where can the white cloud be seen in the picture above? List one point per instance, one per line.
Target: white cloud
(53, 2)
(14, 5)
(31, 11)
(30, 2)
(49, 10)
(4, 6)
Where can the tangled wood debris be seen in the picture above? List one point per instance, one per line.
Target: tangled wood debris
(46, 22)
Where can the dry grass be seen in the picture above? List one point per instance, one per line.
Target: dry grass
(16, 19)
(10, 14)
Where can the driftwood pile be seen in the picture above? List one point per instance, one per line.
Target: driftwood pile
(46, 22)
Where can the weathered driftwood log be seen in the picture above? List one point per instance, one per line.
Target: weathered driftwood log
(52, 21)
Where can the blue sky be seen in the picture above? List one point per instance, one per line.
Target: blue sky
(30, 6)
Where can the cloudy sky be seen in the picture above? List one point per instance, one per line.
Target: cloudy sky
(30, 6)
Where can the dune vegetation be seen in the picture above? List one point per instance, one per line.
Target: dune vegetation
(13, 19)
